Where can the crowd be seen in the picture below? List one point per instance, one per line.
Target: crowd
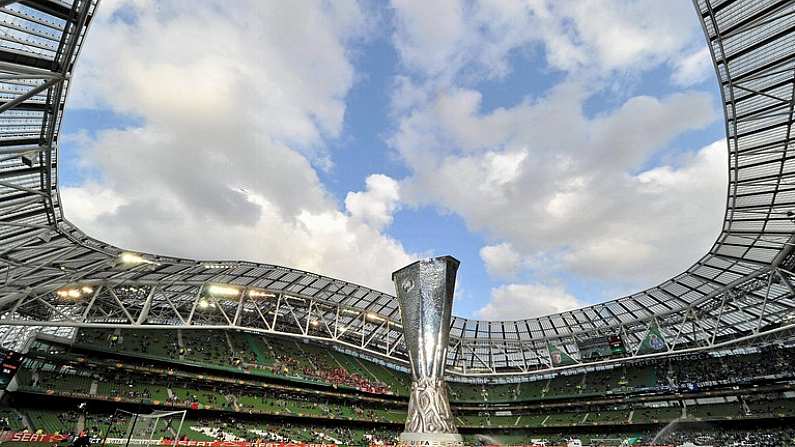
(720, 436)
(279, 356)
(233, 428)
(703, 369)
(321, 365)
(245, 395)
(288, 357)
(692, 372)
(714, 436)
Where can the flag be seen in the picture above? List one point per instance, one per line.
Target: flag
(654, 340)
(559, 357)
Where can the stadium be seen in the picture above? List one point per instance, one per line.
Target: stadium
(128, 347)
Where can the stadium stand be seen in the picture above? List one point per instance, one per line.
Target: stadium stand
(734, 305)
(119, 369)
(11, 420)
(280, 357)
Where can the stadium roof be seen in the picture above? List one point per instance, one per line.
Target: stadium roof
(54, 275)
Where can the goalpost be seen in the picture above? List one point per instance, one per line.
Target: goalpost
(126, 427)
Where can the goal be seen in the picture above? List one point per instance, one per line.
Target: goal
(126, 428)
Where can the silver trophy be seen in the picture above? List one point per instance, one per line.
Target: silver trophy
(425, 295)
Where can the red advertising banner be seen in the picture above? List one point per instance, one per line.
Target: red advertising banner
(31, 437)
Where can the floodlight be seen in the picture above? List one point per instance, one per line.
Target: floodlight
(132, 259)
(221, 290)
(208, 265)
(254, 293)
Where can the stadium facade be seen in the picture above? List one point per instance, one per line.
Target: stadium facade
(56, 278)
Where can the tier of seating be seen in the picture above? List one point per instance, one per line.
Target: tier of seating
(653, 415)
(11, 420)
(770, 406)
(715, 411)
(176, 390)
(172, 389)
(236, 429)
(772, 436)
(51, 421)
(689, 372)
(702, 369)
(271, 356)
(308, 386)
(780, 436)
(196, 427)
(257, 355)
(634, 414)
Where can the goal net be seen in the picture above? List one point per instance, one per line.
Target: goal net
(127, 428)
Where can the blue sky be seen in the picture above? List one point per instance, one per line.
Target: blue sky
(565, 152)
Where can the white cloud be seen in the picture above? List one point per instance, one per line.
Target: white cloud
(89, 201)
(222, 162)
(377, 204)
(329, 241)
(501, 260)
(561, 189)
(519, 301)
(567, 185)
(429, 32)
(624, 34)
(693, 68)
(232, 118)
(455, 37)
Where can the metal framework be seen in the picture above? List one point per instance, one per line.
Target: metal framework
(53, 275)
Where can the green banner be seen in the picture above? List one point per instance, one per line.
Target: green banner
(654, 340)
(559, 357)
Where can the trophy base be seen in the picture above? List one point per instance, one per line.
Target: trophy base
(430, 440)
